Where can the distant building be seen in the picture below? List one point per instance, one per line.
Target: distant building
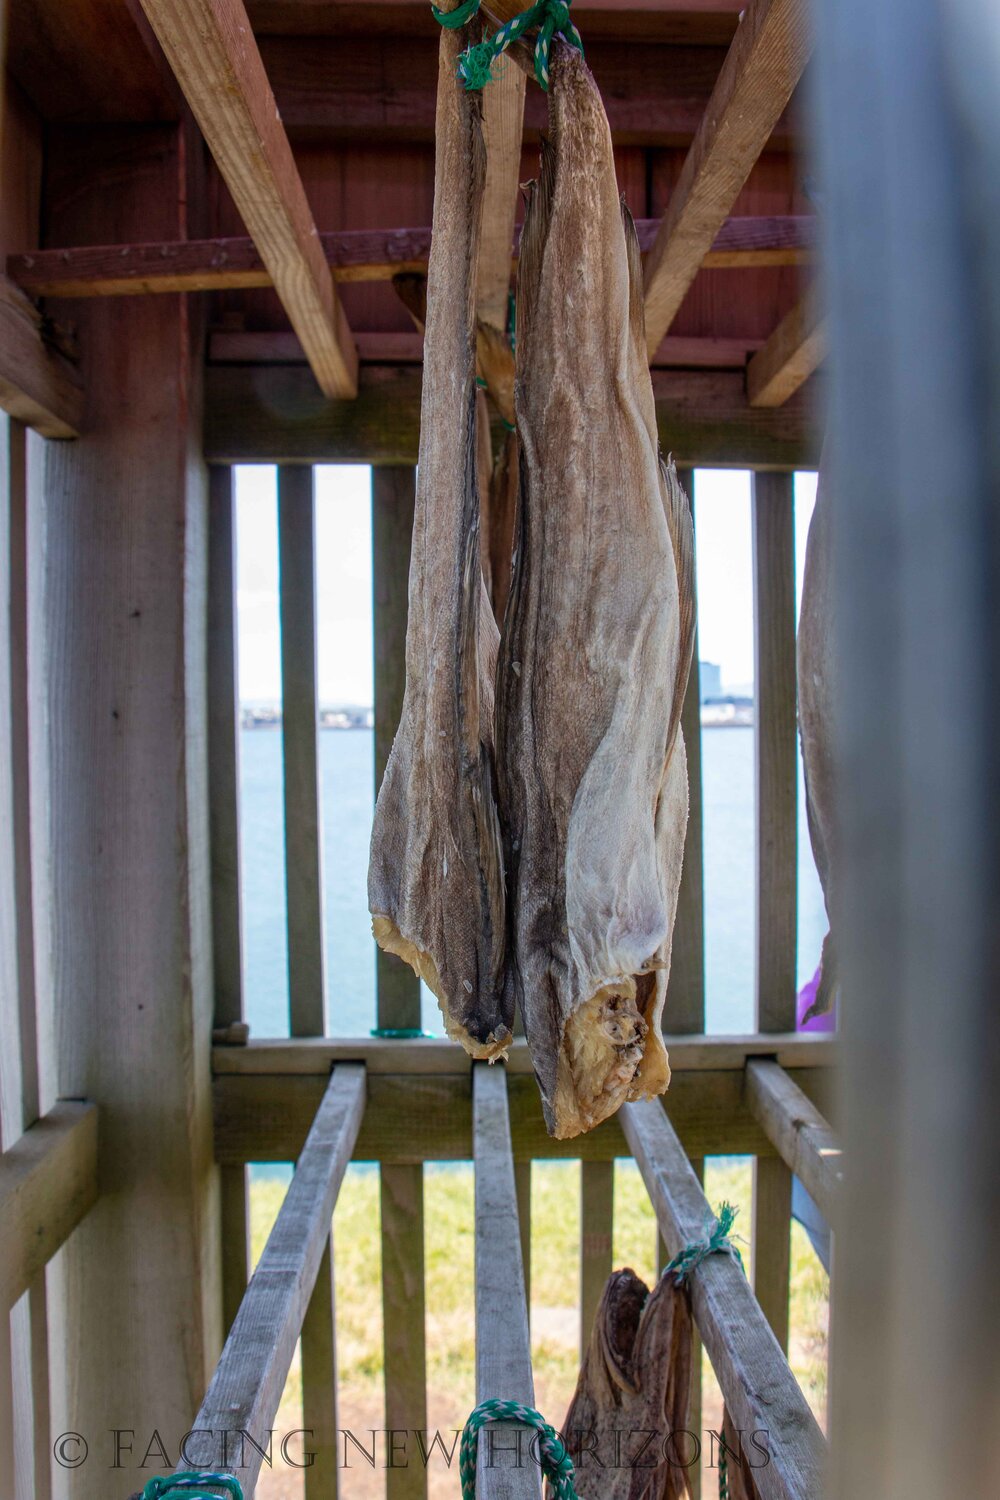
(709, 680)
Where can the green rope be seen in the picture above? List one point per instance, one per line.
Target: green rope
(398, 1033)
(723, 1474)
(187, 1486)
(716, 1241)
(550, 17)
(557, 1466)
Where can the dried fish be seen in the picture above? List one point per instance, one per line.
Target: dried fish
(815, 688)
(596, 643)
(436, 877)
(635, 1381)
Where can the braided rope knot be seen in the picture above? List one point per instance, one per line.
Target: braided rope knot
(188, 1486)
(476, 65)
(556, 1464)
(715, 1241)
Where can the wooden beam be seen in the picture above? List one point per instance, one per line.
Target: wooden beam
(319, 1381)
(245, 1389)
(758, 1387)
(38, 384)
(503, 1344)
(48, 1182)
(403, 1318)
(797, 1130)
(597, 1205)
(794, 351)
(210, 46)
(762, 67)
(275, 414)
(352, 254)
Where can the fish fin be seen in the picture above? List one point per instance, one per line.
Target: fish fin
(537, 217)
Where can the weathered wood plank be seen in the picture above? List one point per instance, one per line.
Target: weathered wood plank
(211, 48)
(234, 1215)
(503, 1344)
(245, 1389)
(300, 747)
(276, 415)
(797, 1130)
(793, 352)
(224, 749)
(771, 1242)
(319, 1382)
(403, 1318)
(759, 1388)
(522, 1186)
(48, 1182)
(353, 255)
(38, 384)
(597, 1203)
(762, 67)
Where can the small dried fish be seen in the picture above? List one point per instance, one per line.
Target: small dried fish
(436, 877)
(596, 643)
(635, 1380)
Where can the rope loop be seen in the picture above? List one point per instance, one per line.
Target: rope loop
(187, 1486)
(476, 65)
(557, 1466)
(716, 1241)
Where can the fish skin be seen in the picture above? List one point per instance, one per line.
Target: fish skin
(635, 1379)
(436, 875)
(595, 648)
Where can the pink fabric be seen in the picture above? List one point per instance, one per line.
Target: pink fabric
(807, 995)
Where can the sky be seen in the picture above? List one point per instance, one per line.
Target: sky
(344, 572)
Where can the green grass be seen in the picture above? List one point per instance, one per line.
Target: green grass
(555, 1288)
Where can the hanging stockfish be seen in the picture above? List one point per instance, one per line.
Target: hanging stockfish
(435, 879)
(596, 644)
(630, 1409)
(815, 688)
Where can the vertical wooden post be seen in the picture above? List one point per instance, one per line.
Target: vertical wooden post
(126, 602)
(397, 999)
(916, 579)
(522, 1187)
(224, 805)
(597, 1189)
(777, 867)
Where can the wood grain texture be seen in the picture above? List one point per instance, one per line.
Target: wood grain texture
(503, 118)
(274, 414)
(211, 49)
(353, 255)
(403, 1319)
(503, 1344)
(793, 352)
(757, 1385)
(775, 749)
(224, 749)
(597, 1204)
(300, 748)
(249, 1378)
(393, 490)
(797, 1130)
(319, 1382)
(38, 384)
(771, 1242)
(234, 1216)
(762, 67)
(522, 1187)
(48, 1182)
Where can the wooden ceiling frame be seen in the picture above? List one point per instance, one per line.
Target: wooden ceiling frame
(214, 56)
(792, 353)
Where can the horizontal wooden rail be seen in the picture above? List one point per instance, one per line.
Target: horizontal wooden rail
(759, 1389)
(503, 1345)
(246, 1387)
(794, 351)
(797, 1130)
(38, 384)
(353, 255)
(427, 1055)
(48, 1182)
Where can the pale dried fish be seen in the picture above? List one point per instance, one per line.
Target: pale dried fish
(596, 642)
(436, 880)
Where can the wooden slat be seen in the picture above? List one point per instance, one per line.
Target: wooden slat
(797, 1130)
(597, 1201)
(38, 384)
(758, 1387)
(761, 69)
(795, 349)
(246, 1387)
(276, 415)
(771, 1241)
(319, 1382)
(48, 1182)
(503, 1345)
(352, 255)
(402, 1202)
(694, 1474)
(210, 46)
(397, 987)
(300, 746)
(522, 1187)
(234, 1214)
